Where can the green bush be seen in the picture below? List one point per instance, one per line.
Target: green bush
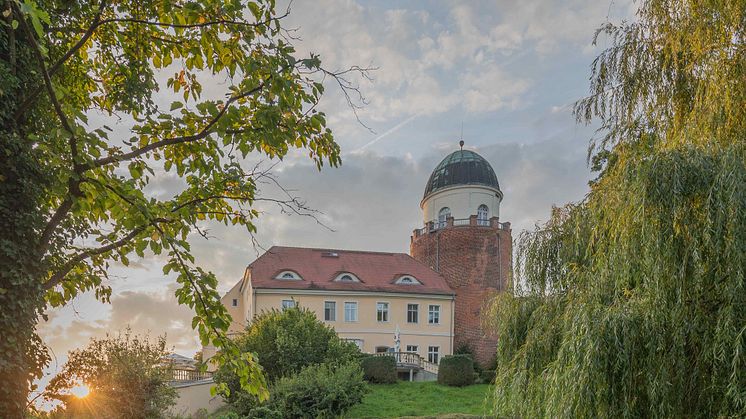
(379, 369)
(318, 391)
(456, 370)
(488, 376)
(285, 342)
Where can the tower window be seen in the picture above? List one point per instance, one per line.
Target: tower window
(235, 302)
(483, 215)
(443, 215)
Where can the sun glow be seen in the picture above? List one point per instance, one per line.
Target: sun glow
(80, 391)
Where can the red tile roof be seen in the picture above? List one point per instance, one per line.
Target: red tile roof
(319, 267)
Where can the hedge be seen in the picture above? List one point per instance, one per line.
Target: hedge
(318, 391)
(456, 370)
(379, 369)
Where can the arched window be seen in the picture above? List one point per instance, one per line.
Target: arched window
(443, 215)
(483, 215)
(289, 276)
(346, 277)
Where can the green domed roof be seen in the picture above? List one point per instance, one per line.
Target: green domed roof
(462, 167)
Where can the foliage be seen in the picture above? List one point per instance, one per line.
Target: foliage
(125, 375)
(631, 303)
(379, 369)
(284, 342)
(421, 399)
(321, 390)
(456, 370)
(73, 191)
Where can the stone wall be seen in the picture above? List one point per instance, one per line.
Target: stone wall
(476, 262)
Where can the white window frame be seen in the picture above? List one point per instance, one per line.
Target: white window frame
(416, 313)
(283, 305)
(384, 317)
(353, 277)
(433, 356)
(356, 341)
(407, 280)
(411, 350)
(483, 217)
(356, 312)
(333, 317)
(443, 215)
(288, 276)
(430, 313)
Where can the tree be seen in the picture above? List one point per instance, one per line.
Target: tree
(73, 196)
(126, 377)
(631, 303)
(284, 342)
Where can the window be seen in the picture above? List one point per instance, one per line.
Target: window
(286, 304)
(382, 312)
(433, 314)
(350, 311)
(413, 313)
(483, 214)
(357, 342)
(433, 354)
(346, 277)
(330, 311)
(383, 349)
(443, 215)
(288, 276)
(412, 349)
(235, 302)
(407, 280)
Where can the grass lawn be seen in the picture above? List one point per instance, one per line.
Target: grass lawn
(421, 399)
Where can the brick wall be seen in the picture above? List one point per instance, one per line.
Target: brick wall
(476, 262)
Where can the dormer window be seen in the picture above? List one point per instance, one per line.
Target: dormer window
(346, 277)
(407, 280)
(289, 276)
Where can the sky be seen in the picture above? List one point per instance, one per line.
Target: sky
(502, 75)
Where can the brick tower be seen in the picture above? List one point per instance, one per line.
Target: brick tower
(465, 241)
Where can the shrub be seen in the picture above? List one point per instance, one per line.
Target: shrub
(488, 376)
(379, 369)
(456, 370)
(125, 375)
(285, 342)
(318, 391)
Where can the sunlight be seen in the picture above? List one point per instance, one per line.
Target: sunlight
(80, 390)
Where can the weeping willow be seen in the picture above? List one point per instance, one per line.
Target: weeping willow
(632, 302)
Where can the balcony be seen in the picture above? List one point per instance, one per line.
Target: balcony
(450, 222)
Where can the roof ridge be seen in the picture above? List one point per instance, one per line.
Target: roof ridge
(328, 249)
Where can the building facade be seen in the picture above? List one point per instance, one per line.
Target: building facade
(434, 298)
(367, 297)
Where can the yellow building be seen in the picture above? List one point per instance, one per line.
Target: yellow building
(367, 297)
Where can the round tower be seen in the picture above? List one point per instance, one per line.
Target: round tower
(465, 241)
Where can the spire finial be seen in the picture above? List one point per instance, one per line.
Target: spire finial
(461, 142)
